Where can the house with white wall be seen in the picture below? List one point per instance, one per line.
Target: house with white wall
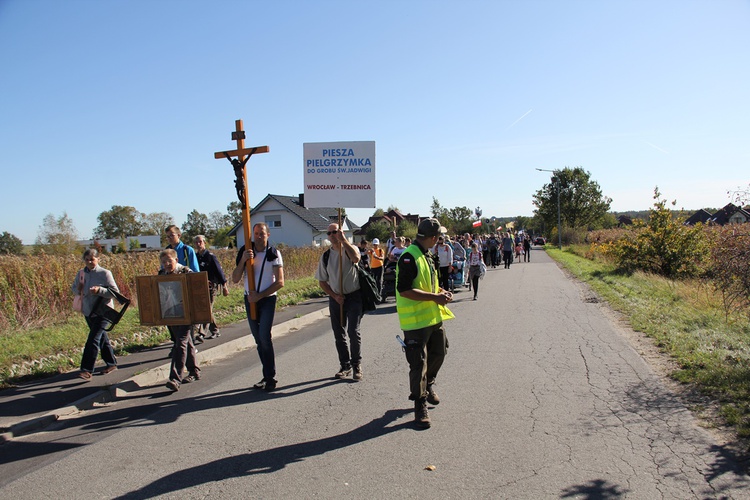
(291, 223)
(141, 242)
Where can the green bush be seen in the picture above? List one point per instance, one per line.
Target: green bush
(663, 246)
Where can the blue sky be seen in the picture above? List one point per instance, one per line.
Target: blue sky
(108, 103)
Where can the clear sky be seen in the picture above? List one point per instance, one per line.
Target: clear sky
(113, 102)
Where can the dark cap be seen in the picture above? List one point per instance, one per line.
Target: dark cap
(428, 228)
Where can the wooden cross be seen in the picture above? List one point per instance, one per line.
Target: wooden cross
(242, 156)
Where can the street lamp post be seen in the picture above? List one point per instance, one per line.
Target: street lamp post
(559, 226)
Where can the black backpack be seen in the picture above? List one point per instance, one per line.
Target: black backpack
(368, 287)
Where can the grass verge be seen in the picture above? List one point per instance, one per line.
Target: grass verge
(41, 352)
(687, 322)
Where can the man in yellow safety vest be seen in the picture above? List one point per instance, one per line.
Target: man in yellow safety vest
(420, 303)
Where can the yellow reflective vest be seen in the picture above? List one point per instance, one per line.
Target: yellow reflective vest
(416, 314)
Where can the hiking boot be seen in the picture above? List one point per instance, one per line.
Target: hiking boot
(432, 396)
(357, 372)
(345, 371)
(270, 385)
(173, 385)
(267, 385)
(192, 377)
(421, 417)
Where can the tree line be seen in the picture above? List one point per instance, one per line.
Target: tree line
(572, 192)
(59, 236)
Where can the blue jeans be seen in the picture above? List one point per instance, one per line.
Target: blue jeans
(261, 330)
(98, 340)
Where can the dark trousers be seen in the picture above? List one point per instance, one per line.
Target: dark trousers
(474, 273)
(507, 257)
(444, 275)
(377, 273)
(350, 353)
(494, 256)
(211, 327)
(475, 283)
(425, 351)
(261, 330)
(183, 352)
(98, 340)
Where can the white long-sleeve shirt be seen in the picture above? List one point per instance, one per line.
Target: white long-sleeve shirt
(445, 254)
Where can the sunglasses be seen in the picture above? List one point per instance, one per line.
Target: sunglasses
(329, 233)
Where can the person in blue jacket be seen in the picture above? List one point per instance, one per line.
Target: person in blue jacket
(185, 257)
(185, 254)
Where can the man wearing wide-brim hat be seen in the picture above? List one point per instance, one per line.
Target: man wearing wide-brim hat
(420, 303)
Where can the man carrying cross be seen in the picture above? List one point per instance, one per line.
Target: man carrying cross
(268, 271)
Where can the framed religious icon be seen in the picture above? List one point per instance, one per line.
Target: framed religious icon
(173, 299)
(172, 292)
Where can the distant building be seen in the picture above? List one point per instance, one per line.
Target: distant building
(701, 216)
(141, 242)
(624, 220)
(291, 223)
(730, 214)
(393, 218)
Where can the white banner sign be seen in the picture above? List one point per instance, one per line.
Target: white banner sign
(340, 174)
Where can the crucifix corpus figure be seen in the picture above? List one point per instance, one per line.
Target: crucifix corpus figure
(238, 158)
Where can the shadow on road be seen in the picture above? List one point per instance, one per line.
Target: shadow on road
(267, 461)
(158, 408)
(597, 489)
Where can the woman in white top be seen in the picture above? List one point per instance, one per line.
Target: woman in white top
(475, 267)
(397, 250)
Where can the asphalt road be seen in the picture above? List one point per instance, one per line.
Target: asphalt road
(542, 397)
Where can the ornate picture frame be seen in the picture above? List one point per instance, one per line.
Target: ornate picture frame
(173, 299)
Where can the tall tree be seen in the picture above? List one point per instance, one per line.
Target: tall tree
(119, 222)
(460, 220)
(438, 211)
(10, 244)
(234, 212)
(156, 223)
(523, 222)
(196, 223)
(582, 204)
(222, 239)
(57, 235)
(216, 222)
(380, 230)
